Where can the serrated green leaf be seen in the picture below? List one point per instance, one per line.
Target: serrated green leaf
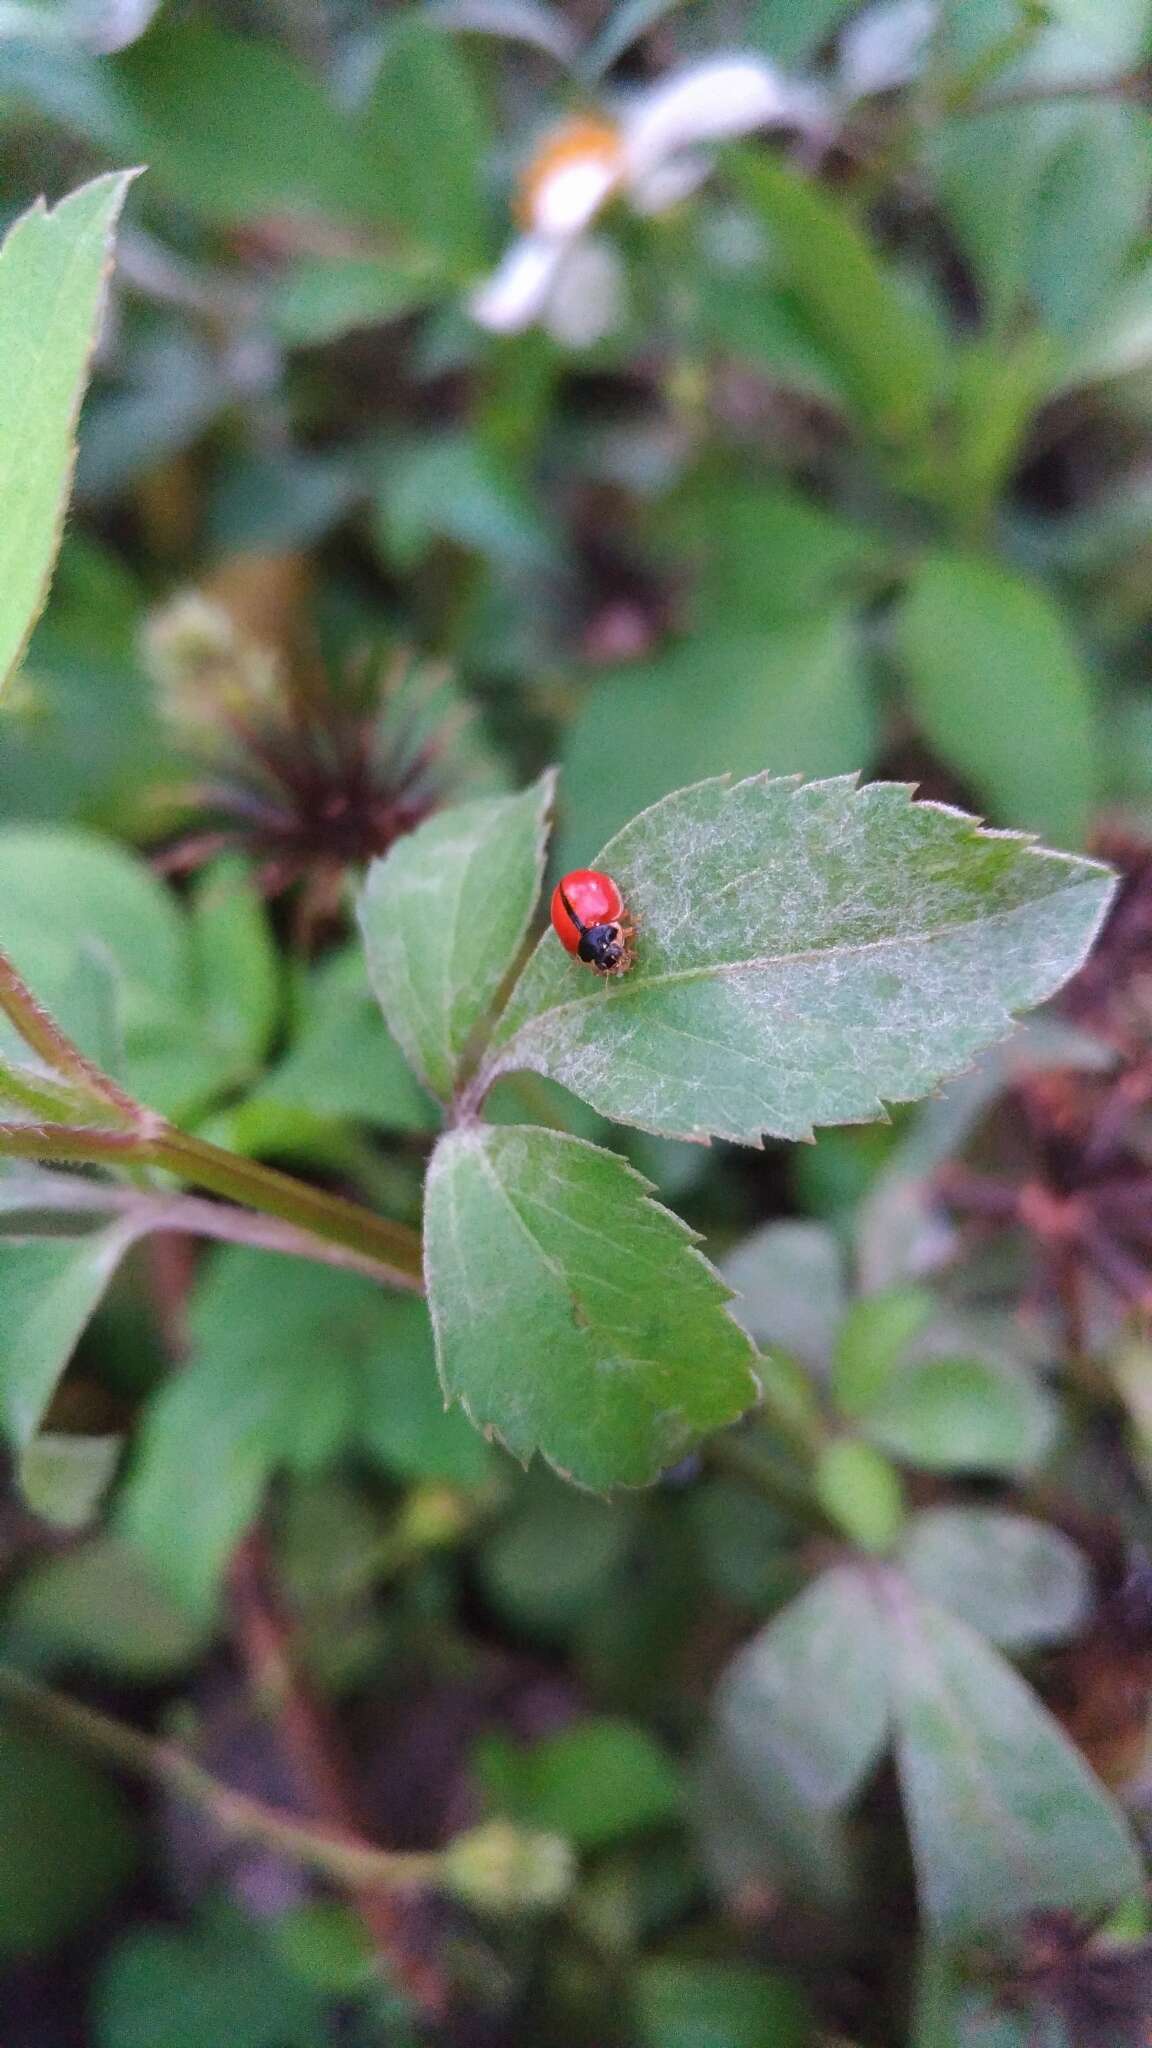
(1006, 1818)
(882, 345)
(443, 916)
(807, 1698)
(53, 269)
(998, 686)
(1018, 1581)
(962, 1414)
(49, 1288)
(573, 1315)
(804, 953)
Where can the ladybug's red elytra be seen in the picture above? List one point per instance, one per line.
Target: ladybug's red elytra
(589, 920)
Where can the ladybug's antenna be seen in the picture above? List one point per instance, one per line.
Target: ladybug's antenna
(578, 922)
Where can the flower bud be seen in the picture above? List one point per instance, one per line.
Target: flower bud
(501, 1868)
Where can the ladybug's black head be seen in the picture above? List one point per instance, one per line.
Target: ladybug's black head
(601, 946)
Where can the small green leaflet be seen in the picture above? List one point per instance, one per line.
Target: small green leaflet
(573, 1315)
(806, 952)
(49, 1288)
(1005, 1817)
(443, 916)
(53, 269)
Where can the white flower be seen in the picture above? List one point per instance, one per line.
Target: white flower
(653, 155)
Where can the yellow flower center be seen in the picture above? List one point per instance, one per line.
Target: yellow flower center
(587, 147)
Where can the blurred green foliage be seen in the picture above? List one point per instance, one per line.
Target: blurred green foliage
(832, 459)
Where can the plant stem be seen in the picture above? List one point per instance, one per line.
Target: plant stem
(43, 1035)
(390, 1251)
(151, 1212)
(300, 1723)
(254, 1186)
(331, 1852)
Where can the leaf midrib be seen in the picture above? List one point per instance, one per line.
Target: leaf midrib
(712, 970)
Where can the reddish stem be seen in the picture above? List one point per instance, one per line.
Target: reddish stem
(309, 1744)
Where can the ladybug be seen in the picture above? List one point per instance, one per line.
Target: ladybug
(589, 920)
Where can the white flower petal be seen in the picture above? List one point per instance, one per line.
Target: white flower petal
(886, 46)
(518, 290)
(568, 197)
(589, 298)
(667, 183)
(704, 103)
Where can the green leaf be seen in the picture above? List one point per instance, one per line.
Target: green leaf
(804, 954)
(64, 1479)
(720, 702)
(807, 1698)
(789, 1282)
(883, 346)
(53, 270)
(1006, 1818)
(212, 1984)
(573, 1315)
(875, 1332)
(234, 129)
(290, 1365)
(556, 1557)
(320, 298)
(99, 1607)
(691, 2003)
(423, 140)
(1018, 1581)
(962, 1414)
(403, 1421)
(66, 1843)
(447, 487)
(71, 901)
(861, 1492)
(1000, 689)
(594, 1783)
(235, 964)
(444, 915)
(343, 1062)
(49, 1288)
(793, 35)
(767, 557)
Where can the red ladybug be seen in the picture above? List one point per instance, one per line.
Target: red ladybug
(589, 920)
